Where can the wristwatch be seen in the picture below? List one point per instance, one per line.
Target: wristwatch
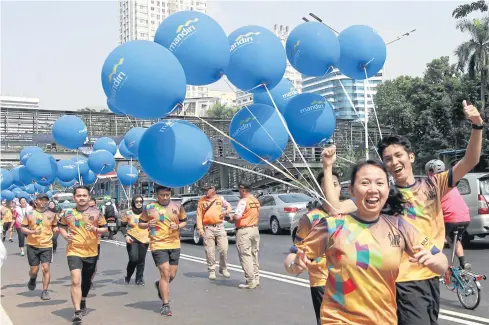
(478, 127)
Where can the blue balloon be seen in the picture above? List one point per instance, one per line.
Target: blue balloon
(128, 174)
(6, 179)
(49, 194)
(187, 153)
(361, 46)
(133, 138)
(7, 195)
(101, 162)
(69, 131)
(82, 165)
(26, 153)
(257, 57)
(67, 184)
(310, 118)
(40, 188)
(21, 176)
(198, 42)
(105, 143)
(42, 167)
(146, 88)
(30, 189)
(281, 94)
(88, 178)
(16, 190)
(67, 170)
(125, 152)
(113, 109)
(312, 49)
(261, 131)
(24, 195)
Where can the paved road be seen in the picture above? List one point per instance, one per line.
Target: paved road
(281, 299)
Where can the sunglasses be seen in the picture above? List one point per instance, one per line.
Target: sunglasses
(139, 201)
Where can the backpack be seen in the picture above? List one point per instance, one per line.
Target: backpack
(109, 211)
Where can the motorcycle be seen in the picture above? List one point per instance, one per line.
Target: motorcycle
(112, 226)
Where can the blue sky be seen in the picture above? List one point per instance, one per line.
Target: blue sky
(55, 50)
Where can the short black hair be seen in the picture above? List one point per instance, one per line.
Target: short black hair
(246, 186)
(81, 187)
(92, 199)
(392, 140)
(320, 176)
(162, 188)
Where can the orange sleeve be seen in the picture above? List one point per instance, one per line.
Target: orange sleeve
(199, 215)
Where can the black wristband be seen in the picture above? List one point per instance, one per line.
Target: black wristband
(478, 127)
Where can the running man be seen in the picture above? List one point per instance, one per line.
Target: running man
(418, 289)
(39, 225)
(164, 219)
(92, 203)
(7, 217)
(211, 210)
(81, 227)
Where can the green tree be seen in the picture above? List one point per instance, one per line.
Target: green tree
(221, 111)
(473, 55)
(87, 109)
(464, 10)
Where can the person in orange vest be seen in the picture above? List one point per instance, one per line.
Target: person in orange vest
(247, 235)
(211, 211)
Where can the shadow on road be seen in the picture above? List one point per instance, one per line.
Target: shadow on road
(67, 313)
(115, 294)
(19, 285)
(477, 245)
(33, 304)
(68, 277)
(111, 272)
(34, 293)
(101, 281)
(220, 281)
(154, 305)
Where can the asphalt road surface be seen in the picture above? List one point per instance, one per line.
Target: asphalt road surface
(281, 299)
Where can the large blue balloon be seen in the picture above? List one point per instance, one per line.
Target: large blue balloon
(30, 189)
(16, 190)
(70, 131)
(146, 88)
(128, 174)
(312, 49)
(88, 178)
(7, 195)
(101, 162)
(113, 109)
(6, 179)
(198, 42)
(42, 167)
(267, 140)
(82, 165)
(125, 152)
(26, 153)
(105, 143)
(187, 153)
(281, 94)
(310, 118)
(257, 57)
(132, 139)
(361, 46)
(67, 170)
(67, 184)
(40, 188)
(21, 176)
(24, 195)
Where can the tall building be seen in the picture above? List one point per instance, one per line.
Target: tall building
(139, 20)
(282, 32)
(18, 102)
(329, 86)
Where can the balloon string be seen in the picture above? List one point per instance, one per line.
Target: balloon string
(272, 178)
(124, 190)
(356, 112)
(283, 151)
(78, 165)
(297, 147)
(372, 96)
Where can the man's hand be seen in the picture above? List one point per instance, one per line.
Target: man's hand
(90, 227)
(174, 226)
(472, 113)
(129, 240)
(152, 223)
(422, 257)
(69, 237)
(36, 232)
(329, 156)
(201, 233)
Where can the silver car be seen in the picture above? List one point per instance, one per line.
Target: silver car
(190, 206)
(277, 211)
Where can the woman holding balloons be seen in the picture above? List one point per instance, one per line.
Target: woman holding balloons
(137, 240)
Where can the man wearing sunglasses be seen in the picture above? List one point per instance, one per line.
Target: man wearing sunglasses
(211, 211)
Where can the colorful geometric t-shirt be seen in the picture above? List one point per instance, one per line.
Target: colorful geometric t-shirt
(363, 263)
(43, 221)
(133, 230)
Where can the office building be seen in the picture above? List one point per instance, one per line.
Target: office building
(329, 86)
(18, 102)
(139, 20)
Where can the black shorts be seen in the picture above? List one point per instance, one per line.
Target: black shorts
(172, 256)
(35, 255)
(317, 294)
(80, 263)
(451, 227)
(98, 255)
(418, 302)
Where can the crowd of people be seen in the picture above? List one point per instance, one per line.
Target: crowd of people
(374, 258)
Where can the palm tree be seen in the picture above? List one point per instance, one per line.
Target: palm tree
(473, 55)
(464, 10)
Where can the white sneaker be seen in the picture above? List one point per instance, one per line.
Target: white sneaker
(225, 273)
(247, 286)
(212, 275)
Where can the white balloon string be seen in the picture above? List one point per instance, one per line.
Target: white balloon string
(373, 104)
(78, 165)
(272, 178)
(283, 151)
(244, 147)
(296, 146)
(96, 180)
(124, 190)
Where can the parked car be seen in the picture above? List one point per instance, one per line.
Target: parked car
(277, 211)
(190, 206)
